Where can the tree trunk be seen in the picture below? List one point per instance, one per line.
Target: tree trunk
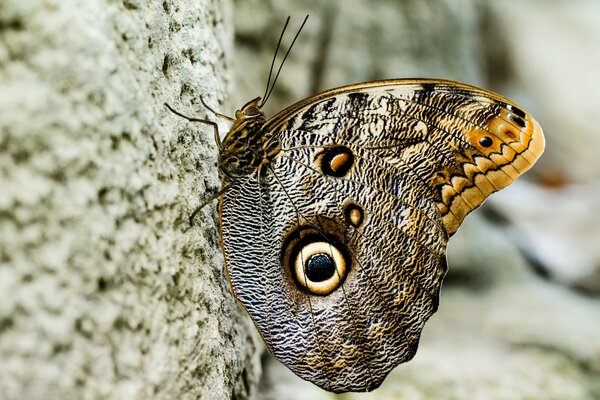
(105, 290)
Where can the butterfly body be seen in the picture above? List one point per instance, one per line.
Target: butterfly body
(335, 226)
(248, 146)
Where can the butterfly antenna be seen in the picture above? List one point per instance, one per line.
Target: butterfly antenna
(219, 115)
(287, 21)
(269, 91)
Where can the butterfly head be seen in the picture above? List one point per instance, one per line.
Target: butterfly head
(250, 111)
(247, 147)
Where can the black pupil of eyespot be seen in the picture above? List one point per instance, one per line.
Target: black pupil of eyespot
(486, 141)
(319, 267)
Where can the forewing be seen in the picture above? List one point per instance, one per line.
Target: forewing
(461, 142)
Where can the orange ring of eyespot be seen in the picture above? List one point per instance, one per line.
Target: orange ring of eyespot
(329, 285)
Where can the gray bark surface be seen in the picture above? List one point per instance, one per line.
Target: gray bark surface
(105, 291)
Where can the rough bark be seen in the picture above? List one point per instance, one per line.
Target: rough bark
(105, 291)
(502, 332)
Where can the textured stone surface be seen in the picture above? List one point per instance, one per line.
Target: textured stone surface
(502, 330)
(104, 291)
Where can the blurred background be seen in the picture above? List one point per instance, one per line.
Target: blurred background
(520, 309)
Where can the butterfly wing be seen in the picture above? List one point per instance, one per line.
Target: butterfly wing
(337, 248)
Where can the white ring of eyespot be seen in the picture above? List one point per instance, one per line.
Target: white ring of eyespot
(329, 285)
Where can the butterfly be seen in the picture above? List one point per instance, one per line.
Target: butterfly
(336, 213)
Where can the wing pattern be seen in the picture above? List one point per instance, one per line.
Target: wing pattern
(378, 175)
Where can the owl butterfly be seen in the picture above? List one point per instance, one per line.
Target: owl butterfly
(337, 211)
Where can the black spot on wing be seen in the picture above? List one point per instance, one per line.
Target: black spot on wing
(308, 115)
(517, 120)
(358, 100)
(426, 93)
(313, 113)
(516, 111)
(328, 104)
(427, 88)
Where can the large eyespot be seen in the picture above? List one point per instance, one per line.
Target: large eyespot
(336, 161)
(319, 267)
(317, 260)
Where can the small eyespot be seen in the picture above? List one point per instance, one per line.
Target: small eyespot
(319, 267)
(336, 161)
(353, 214)
(486, 141)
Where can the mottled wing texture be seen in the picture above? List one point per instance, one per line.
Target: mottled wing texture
(425, 154)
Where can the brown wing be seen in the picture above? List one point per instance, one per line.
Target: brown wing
(451, 122)
(337, 248)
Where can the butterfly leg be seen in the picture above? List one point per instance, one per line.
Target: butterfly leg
(205, 121)
(206, 202)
